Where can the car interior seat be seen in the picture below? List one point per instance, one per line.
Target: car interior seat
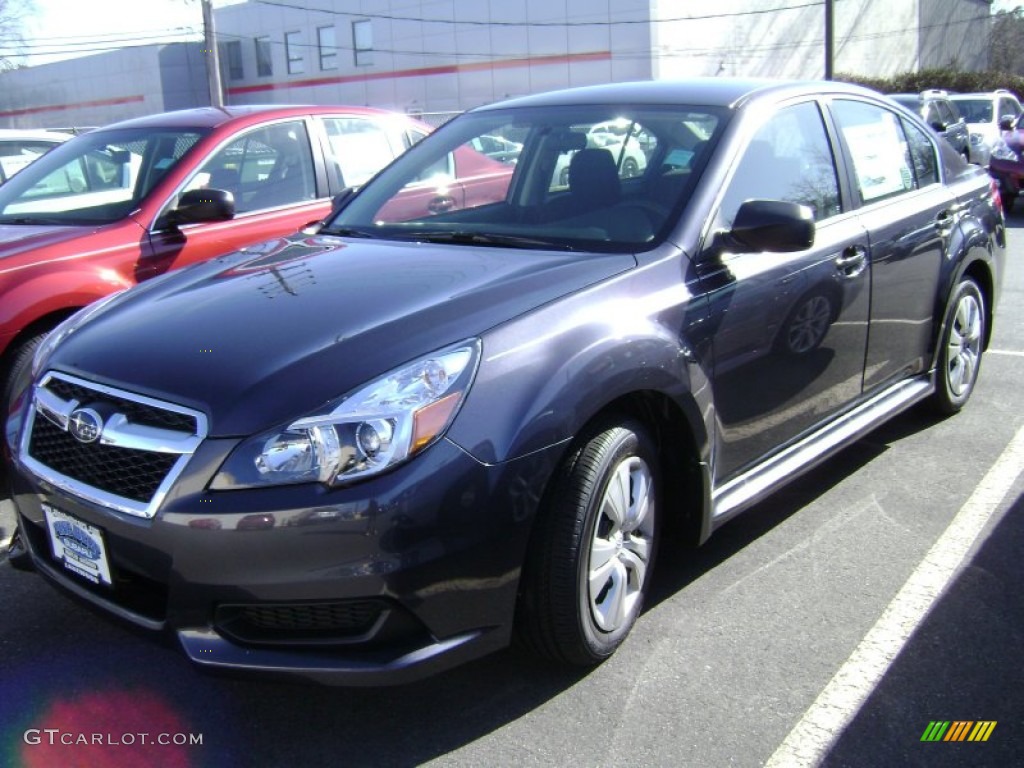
(288, 180)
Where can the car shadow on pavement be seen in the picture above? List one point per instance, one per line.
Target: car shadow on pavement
(962, 664)
(674, 572)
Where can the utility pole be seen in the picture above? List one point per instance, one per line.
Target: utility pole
(829, 37)
(212, 59)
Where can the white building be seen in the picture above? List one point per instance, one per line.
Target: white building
(443, 56)
(99, 89)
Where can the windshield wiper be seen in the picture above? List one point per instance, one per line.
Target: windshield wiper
(348, 232)
(480, 238)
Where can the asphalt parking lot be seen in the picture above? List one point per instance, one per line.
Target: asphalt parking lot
(732, 664)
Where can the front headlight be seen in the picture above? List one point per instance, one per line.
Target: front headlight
(367, 432)
(1001, 151)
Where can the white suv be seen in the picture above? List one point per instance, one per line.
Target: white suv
(983, 113)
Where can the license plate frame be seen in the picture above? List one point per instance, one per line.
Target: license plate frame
(79, 546)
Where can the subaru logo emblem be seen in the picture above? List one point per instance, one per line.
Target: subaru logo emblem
(85, 425)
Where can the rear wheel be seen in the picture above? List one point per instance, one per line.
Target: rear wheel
(960, 348)
(589, 566)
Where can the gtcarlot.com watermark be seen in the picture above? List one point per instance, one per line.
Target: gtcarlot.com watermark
(56, 736)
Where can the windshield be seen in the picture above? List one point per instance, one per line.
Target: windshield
(975, 110)
(584, 177)
(95, 178)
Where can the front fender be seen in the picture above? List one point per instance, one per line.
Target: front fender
(545, 375)
(26, 301)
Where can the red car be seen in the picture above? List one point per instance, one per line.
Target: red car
(112, 207)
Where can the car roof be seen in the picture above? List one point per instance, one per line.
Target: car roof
(707, 91)
(982, 95)
(212, 117)
(9, 134)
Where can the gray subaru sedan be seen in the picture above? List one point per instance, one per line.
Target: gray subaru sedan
(470, 408)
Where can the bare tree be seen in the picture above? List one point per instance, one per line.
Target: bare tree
(12, 40)
(1007, 46)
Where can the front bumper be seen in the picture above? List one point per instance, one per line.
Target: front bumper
(380, 583)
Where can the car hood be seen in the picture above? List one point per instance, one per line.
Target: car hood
(21, 238)
(258, 338)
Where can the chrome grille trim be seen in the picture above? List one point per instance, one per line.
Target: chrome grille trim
(118, 432)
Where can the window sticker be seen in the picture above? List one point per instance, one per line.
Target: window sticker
(879, 158)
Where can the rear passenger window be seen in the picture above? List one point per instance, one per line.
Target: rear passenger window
(882, 156)
(359, 148)
(922, 155)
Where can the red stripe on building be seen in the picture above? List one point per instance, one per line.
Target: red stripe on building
(78, 105)
(448, 69)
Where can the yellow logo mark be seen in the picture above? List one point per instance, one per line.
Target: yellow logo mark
(958, 730)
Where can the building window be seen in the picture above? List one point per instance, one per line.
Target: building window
(232, 57)
(328, 46)
(362, 42)
(264, 64)
(293, 53)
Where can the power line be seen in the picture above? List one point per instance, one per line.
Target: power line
(481, 23)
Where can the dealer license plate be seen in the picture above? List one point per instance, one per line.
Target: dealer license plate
(78, 545)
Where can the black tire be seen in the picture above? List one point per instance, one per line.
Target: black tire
(960, 348)
(20, 361)
(630, 168)
(571, 609)
(1008, 199)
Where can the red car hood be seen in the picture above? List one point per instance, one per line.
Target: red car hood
(21, 239)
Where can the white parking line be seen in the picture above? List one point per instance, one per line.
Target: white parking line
(821, 726)
(1007, 352)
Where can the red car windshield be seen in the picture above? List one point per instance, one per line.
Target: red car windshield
(95, 178)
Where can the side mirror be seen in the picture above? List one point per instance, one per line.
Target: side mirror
(1006, 122)
(199, 205)
(339, 200)
(772, 225)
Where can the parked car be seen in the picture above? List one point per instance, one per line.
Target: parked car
(1006, 163)
(498, 148)
(113, 207)
(984, 114)
(620, 137)
(369, 452)
(18, 148)
(936, 108)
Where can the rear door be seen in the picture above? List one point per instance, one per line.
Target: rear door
(909, 216)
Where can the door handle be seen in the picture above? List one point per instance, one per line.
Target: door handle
(441, 203)
(852, 261)
(944, 221)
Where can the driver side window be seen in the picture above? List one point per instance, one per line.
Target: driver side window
(268, 167)
(790, 158)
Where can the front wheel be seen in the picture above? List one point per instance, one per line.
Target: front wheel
(960, 348)
(589, 566)
(21, 361)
